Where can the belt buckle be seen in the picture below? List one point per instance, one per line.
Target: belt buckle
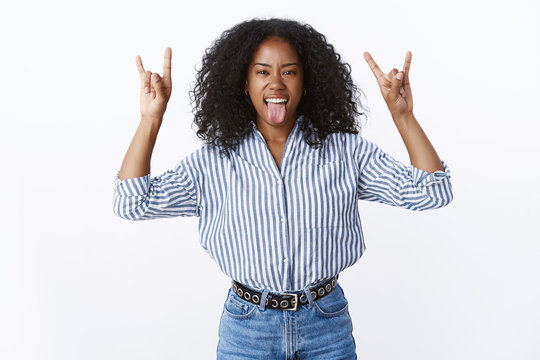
(295, 302)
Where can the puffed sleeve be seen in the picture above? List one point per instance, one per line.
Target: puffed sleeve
(173, 193)
(384, 179)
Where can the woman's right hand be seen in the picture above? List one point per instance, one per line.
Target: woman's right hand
(155, 91)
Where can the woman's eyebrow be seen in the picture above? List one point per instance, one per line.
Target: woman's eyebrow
(284, 65)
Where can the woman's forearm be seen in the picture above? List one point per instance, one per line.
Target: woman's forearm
(137, 159)
(421, 153)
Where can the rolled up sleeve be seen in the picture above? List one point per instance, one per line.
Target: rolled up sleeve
(171, 194)
(384, 179)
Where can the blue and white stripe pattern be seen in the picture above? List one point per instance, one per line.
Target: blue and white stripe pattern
(282, 229)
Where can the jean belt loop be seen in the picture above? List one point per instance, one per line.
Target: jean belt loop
(307, 291)
(262, 304)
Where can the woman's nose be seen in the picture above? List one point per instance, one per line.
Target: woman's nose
(275, 82)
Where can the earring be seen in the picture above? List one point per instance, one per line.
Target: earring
(245, 92)
(304, 92)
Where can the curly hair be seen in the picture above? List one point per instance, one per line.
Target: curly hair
(224, 114)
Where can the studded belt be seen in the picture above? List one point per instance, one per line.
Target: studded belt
(285, 301)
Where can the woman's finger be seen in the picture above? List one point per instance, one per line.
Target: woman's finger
(140, 67)
(146, 82)
(167, 67)
(373, 65)
(407, 64)
(406, 67)
(392, 73)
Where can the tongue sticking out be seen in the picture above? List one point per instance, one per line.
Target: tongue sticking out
(276, 112)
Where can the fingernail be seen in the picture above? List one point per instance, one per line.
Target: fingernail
(399, 76)
(146, 90)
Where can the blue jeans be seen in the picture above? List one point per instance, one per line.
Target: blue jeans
(320, 329)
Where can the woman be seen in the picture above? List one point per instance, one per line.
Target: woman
(277, 182)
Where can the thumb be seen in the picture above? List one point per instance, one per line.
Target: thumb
(396, 84)
(157, 83)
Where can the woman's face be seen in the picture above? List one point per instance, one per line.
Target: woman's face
(275, 72)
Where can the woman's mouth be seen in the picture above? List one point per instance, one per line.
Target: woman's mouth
(276, 109)
(275, 101)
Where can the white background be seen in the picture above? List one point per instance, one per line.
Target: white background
(78, 282)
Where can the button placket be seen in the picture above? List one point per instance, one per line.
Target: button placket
(284, 231)
(285, 245)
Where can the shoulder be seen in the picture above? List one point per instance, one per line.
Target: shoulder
(354, 146)
(207, 156)
(349, 141)
(206, 151)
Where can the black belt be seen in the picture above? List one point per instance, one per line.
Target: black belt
(285, 301)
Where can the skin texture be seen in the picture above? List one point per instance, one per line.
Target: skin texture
(277, 77)
(396, 91)
(155, 94)
(155, 90)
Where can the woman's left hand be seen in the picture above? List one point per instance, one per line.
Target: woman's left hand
(395, 90)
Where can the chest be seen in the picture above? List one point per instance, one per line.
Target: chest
(308, 191)
(276, 149)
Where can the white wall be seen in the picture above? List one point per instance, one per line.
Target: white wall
(77, 282)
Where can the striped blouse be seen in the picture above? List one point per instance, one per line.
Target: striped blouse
(282, 229)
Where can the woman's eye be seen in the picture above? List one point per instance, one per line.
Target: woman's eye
(289, 72)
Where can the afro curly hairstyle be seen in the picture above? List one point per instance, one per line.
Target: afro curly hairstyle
(224, 114)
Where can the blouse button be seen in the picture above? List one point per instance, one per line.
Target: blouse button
(282, 219)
